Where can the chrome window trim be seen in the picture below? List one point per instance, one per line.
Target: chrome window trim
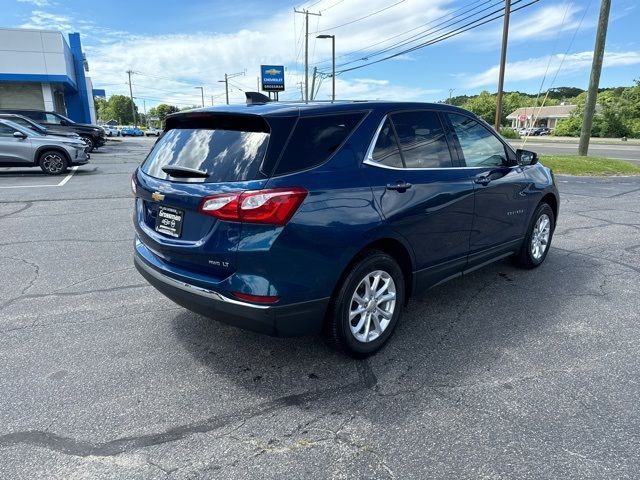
(370, 161)
(369, 156)
(373, 163)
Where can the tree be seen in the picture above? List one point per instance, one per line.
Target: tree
(483, 105)
(162, 110)
(118, 108)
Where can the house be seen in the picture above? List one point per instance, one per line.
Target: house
(525, 117)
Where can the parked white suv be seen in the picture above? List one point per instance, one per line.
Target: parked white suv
(23, 147)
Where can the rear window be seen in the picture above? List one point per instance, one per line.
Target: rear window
(226, 155)
(315, 139)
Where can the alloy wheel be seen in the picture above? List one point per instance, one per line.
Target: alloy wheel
(53, 163)
(372, 306)
(540, 236)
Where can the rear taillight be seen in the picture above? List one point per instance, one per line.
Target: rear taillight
(273, 206)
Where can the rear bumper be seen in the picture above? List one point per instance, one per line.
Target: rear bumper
(304, 318)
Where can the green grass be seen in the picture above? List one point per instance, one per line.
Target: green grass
(596, 166)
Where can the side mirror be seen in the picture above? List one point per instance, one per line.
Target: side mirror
(64, 123)
(526, 157)
(19, 135)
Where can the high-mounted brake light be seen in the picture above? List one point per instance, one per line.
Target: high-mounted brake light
(272, 206)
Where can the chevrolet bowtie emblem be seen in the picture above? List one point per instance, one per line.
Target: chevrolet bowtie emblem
(157, 196)
(272, 71)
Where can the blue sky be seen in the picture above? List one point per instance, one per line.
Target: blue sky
(176, 46)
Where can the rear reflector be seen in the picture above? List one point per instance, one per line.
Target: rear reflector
(267, 299)
(272, 206)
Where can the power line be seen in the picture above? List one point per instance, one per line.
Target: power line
(362, 18)
(448, 14)
(430, 31)
(469, 26)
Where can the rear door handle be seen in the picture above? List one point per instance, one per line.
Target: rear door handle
(400, 185)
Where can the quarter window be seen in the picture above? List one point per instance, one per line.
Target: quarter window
(480, 147)
(315, 139)
(386, 151)
(422, 139)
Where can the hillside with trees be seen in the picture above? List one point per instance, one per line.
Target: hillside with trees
(618, 113)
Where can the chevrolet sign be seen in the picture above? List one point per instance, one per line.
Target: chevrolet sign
(272, 78)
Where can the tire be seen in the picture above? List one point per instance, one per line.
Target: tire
(352, 336)
(53, 162)
(90, 143)
(537, 242)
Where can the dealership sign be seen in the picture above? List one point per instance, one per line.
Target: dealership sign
(272, 78)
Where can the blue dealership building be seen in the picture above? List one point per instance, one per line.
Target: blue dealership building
(40, 70)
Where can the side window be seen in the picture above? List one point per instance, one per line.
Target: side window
(6, 130)
(480, 147)
(422, 140)
(315, 139)
(35, 116)
(386, 151)
(50, 118)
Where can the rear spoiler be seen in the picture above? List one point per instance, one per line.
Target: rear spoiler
(256, 98)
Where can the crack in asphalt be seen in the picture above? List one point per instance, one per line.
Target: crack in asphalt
(27, 206)
(83, 448)
(73, 294)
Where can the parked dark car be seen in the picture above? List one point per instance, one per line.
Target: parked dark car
(93, 135)
(294, 219)
(27, 122)
(23, 147)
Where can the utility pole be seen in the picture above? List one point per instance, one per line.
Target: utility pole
(212, 100)
(258, 84)
(594, 79)
(451, 90)
(503, 59)
(306, 49)
(201, 93)
(226, 82)
(133, 105)
(144, 106)
(301, 91)
(313, 82)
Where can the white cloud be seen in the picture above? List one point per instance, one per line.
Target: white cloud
(536, 67)
(187, 60)
(531, 24)
(48, 21)
(37, 3)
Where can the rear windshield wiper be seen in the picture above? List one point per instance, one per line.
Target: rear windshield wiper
(184, 172)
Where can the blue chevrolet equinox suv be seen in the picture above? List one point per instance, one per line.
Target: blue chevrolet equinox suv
(296, 219)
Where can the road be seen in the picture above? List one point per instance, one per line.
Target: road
(503, 373)
(622, 152)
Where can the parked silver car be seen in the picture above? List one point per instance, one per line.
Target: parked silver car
(23, 147)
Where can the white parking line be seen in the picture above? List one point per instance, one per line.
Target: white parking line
(62, 182)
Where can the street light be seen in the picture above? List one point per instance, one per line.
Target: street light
(201, 93)
(333, 64)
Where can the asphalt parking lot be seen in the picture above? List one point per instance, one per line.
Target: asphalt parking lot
(501, 374)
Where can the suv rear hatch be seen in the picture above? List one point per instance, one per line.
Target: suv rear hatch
(203, 154)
